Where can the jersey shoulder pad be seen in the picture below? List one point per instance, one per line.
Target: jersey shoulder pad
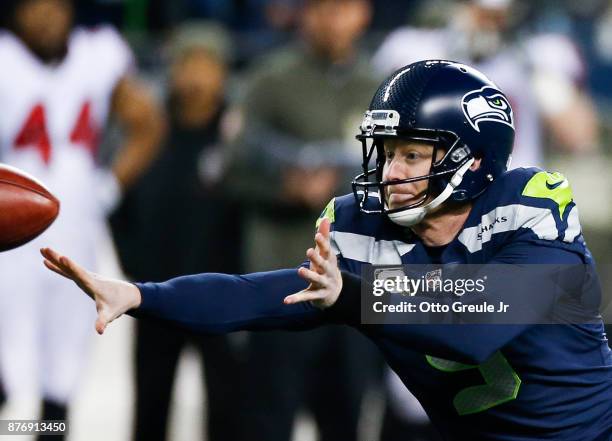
(530, 202)
(11, 48)
(103, 36)
(329, 212)
(6, 38)
(113, 55)
(342, 212)
(532, 187)
(345, 216)
(364, 238)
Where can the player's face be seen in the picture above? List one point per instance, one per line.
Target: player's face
(44, 25)
(197, 83)
(404, 160)
(489, 19)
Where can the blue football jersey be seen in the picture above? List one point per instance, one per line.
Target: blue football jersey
(476, 382)
(544, 381)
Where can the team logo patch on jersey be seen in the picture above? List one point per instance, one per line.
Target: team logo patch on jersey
(390, 273)
(433, 277)
(487, 104)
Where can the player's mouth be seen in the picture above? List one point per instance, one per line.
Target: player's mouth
(397, 200)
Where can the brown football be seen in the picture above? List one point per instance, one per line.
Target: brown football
(27, 208)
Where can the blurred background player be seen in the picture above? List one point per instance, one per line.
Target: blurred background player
(299, 109)
(56, 92)
(171, 222)
(483, 33)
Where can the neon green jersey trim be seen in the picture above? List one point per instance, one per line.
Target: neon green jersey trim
(502, 383)
(448, 365)
(552, 186)
(329, 212)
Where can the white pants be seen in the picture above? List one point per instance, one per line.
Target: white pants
(46, 322)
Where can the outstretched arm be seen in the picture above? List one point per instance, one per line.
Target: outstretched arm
(208, 303)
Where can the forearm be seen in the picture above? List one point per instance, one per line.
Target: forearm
(139, 149)
(145, 127)
(221, 303)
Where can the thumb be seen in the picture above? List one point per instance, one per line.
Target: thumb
(100, 325)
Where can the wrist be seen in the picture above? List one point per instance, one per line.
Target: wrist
(135, 296)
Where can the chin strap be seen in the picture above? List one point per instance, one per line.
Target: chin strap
(412, 216)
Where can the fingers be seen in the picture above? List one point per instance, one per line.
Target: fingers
(311, 276)
(324, 227)
(65, 266)
(104, 318)
(55, 269)
(322, 245)
(323, 277)
(322, 238)
(317, 262)
(100, 325)
(73, 268)
(322, 256)
(55, 260)
(51, 255)
(302, 296)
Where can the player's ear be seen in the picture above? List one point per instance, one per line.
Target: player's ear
(476, 165)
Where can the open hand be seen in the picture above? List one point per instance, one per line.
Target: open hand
(112, 297)
(324, 276)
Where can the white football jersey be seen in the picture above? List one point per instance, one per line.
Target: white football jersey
(51, 115)
(50, 120)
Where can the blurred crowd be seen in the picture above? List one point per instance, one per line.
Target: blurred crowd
(230, 126)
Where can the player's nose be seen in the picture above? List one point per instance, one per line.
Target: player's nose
(395, 171)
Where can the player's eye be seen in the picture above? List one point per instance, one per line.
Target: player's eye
(412, 155)
(389, 155)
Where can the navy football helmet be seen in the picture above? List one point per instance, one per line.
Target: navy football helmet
(451, 106)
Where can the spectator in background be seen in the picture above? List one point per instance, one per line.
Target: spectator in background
(58, 85)
(178, 219)
(484, 34)
(299, 114)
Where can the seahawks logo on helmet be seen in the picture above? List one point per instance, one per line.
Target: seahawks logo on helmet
(487, 104)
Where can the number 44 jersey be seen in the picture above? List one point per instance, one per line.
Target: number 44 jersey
(50, 119)
(492, 382)
(51, 114)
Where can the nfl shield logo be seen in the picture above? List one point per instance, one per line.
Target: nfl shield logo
(433, 278)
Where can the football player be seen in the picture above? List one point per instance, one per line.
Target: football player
(441, 135)
(531, 70)
(58, 84)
